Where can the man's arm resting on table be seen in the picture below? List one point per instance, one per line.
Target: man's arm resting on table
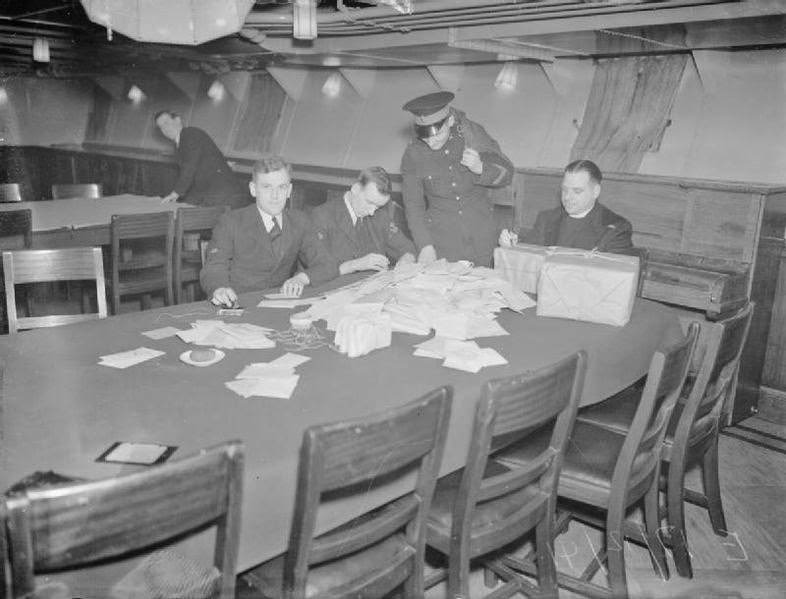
(372, 261)
(293, 287)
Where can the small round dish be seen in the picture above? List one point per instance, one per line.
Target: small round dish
(217, 356)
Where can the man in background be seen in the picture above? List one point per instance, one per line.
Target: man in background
(359, 229)
(258, 247)
(205, 178)
(447, 171)
(580, 221)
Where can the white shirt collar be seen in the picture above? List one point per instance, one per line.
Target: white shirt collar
(348, 204)
(267, 220)
(582, 214)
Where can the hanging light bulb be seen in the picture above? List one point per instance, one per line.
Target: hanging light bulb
(41, 49)
(217, 91)
(3, 96)
(304, 19)
(508, 77)
(332, 86)
(135, 94)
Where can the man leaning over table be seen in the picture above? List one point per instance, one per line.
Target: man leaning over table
(580, 221)
(258, 247)
(359, 229)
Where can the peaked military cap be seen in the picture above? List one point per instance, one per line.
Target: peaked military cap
(430, 108)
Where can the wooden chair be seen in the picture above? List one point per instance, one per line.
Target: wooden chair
(16, 229)
(70, 525)
(64, 191)
(485, 506)
(69, 264)
(141, 257)
(610, 471)
(692, 435)
(188, 262)
(10, 192)
(380, 551)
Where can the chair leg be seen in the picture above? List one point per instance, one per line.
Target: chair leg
(490, 579)
(615, 552)
(711, 481)
(652, 524)
(147, 302)
(458, 577)
(547, 569)
(676, 520)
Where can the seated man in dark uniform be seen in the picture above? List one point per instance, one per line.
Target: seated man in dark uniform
(205, 178)
(258, 247)
(581, 221)
(358, 229)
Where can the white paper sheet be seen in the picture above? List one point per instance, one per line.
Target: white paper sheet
(130, 358)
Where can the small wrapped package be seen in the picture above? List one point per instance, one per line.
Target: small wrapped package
(587, 285)
(521, 264)
(358, 334)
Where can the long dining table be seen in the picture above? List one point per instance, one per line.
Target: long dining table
(61, 409)
(82, 221)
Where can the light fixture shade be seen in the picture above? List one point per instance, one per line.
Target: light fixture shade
(332, 86)
(304, 19)
(41, 49)
(508, 77)
(216, 91)
(188, 22)
(135, 94)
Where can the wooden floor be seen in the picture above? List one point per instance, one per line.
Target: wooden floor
(749, 563)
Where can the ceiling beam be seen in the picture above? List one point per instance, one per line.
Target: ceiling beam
(615, 16)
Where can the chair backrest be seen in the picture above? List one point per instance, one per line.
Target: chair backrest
(71, 525)
(199, 220)
(68, 264)
(149, 225)
(16, 229)
(63, 191)
(508, 410)
(342, 456)
(10, 192)
(714, 381)
(640, 455)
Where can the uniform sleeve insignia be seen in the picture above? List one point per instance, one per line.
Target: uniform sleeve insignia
(393, 228)
(321, 235)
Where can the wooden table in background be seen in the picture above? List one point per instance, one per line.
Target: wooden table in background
(83, 221)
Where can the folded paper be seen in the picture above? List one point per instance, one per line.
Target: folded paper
(359, 334)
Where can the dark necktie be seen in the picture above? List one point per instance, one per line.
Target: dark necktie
(364, 238)
(275, 237)
(275, 231)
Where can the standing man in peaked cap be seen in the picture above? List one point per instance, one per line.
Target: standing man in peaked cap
(447, 170)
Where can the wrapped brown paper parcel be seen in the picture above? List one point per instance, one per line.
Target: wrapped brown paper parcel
(588, 285)
(521, 264)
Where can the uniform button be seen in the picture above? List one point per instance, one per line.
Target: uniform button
(447, 151)
(460, 212)
(453, 184)
(429, 177)
(450, 168)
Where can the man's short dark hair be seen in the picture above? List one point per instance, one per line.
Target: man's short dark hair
(169, 113)
(269, 163)
(588, 167)
(378, 176)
